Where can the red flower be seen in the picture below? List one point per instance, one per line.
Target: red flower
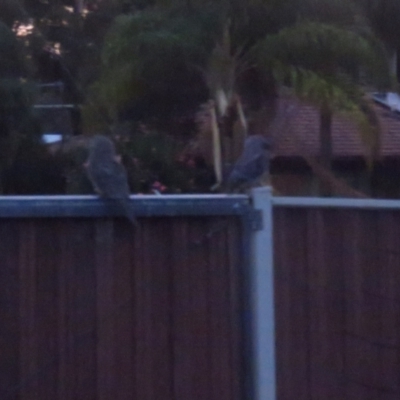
(159, 186)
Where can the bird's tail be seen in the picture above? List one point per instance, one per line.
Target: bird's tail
(127, 210)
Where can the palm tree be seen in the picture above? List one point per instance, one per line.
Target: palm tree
(208, 42)
(324, 64)
(383, 16)
(16, 119)
(217, 41)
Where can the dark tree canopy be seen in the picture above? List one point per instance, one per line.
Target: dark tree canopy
(384, 16)
(155, 62)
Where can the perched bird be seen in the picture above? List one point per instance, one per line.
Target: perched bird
(252, 165)
(107, 175)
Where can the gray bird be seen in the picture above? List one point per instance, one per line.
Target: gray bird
(107, 175)
(252, 164)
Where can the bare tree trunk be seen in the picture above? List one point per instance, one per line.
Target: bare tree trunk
(217, 153)
(326, 148)
(79, 6)
(393, 57)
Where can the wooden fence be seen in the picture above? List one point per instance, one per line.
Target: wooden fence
(337, 299)
(178, 310)
(91, 309)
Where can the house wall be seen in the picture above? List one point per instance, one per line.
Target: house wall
(293, 177)
(294, 184)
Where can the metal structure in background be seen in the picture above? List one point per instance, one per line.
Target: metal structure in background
(56, 117)
(85, 291)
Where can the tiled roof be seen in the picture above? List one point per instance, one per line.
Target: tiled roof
(296, 131)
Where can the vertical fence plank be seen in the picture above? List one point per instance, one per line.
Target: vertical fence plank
(180, 258)
(221, 332)
(234, 271)
(143, 354)
(125, 238)
(29, 354)
(66, 368)
(326, 301)
(191, 315)
(153, 326)
(84, 271)
(106, 312)
(47, 254)
(9, 311)
(354, 299)
(291, 302)
(363, 323)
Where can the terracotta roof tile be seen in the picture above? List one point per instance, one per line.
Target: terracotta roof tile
(299, 125)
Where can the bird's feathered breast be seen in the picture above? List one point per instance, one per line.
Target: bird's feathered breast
(110, 179)
(253, 162)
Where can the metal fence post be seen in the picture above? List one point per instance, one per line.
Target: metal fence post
(262, 300)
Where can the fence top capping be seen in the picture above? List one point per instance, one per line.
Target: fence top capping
(318, 202)
(144, 205)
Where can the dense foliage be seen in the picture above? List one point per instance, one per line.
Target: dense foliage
(149, 65)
